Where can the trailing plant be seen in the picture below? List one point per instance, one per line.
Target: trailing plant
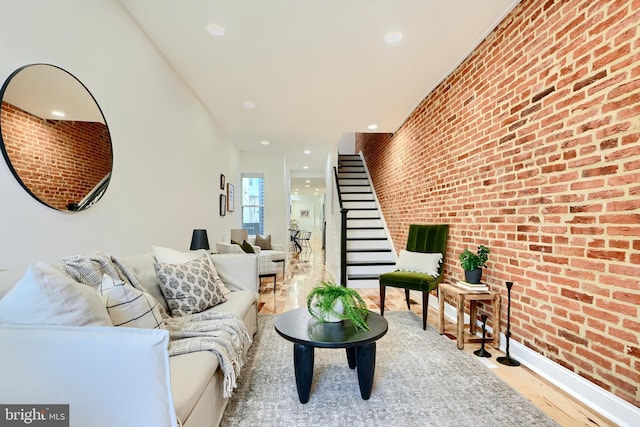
(470, 261)
(323, 297)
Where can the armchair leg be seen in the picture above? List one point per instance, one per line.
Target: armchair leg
(425, 308)
(406, 296)
(383, 291)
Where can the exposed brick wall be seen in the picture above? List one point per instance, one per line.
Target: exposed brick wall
(59, 161)
(532, 147)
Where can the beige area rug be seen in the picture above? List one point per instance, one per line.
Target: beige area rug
(421, 379)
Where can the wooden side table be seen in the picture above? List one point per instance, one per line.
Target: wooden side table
(461, 295)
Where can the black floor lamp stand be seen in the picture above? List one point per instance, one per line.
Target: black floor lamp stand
(507, 360)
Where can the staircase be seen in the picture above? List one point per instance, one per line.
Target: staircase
(368, 250)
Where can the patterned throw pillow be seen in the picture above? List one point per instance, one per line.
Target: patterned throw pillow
(189, 287)
(264, 242)
(128, 306)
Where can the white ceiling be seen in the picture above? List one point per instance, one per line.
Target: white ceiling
(314, 69)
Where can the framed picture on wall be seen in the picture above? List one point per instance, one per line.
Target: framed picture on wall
(222, 181)
(304, 213)
(223, 205)
(230, 197)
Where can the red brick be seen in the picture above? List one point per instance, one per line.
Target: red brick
(543, 140)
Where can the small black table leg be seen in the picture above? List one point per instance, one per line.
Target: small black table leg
(303, 366)
(366, 362)
(351, 357)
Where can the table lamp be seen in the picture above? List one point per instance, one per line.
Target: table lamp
(199, 240)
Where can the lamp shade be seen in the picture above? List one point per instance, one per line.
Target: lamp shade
(199, 240)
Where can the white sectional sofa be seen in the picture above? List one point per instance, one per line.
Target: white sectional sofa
(122, 376)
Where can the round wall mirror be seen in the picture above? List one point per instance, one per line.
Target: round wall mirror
(54, 137)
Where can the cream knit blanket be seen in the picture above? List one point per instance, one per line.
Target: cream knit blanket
(224, 334)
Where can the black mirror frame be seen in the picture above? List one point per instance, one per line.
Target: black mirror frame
(5, 154)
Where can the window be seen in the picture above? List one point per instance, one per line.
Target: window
(253, 204)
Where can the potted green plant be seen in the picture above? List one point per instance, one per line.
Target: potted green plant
(330, 302)
(473, 263)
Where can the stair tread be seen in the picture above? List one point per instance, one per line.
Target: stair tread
(365, 228)
(365, 238)
(362, 276)
(370, 263)
(368, 250)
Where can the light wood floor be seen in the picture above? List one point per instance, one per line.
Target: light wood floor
(303, 272)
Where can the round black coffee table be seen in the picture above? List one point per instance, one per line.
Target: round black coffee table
(306, 333)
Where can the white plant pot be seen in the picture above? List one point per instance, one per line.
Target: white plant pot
(330, 317)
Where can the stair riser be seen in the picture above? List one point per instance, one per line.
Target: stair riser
(368, 244)
(364, 222)
(369, 269)
(352, 188)
(352, 175)
(369, 256)
(356, 181)
(363, 284)
(365, 233)
(352, 204)
(356, 196)
(362, 214)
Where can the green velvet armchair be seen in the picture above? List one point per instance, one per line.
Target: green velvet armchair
(422, 239)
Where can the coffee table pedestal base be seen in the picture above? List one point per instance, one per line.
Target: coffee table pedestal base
(361, 357)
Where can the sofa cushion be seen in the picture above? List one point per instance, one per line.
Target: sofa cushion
(47, 296)
(190, 375)
(142, 266)
(264, 242)
(189, 287)
(128, 306)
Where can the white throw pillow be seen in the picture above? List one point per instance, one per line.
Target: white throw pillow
(419, 262)
(47, 296)
(128, 306)
(172, 256)
(188, 287)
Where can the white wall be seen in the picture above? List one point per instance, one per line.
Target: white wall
(333, 219)
(168, 154)
(276, 197)
(314, 222)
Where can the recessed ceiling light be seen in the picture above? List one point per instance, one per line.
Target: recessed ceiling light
(249, 105)
(307, 152)
(305, 167)
(317, 189)
(57, 113)
(372, 126)
(307, 186)
(308, 181)
(393, 37)
(264, 142)
(215, 30)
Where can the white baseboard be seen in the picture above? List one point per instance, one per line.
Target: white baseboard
(607, 404)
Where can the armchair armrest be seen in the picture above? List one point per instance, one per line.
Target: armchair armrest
(109, 376)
